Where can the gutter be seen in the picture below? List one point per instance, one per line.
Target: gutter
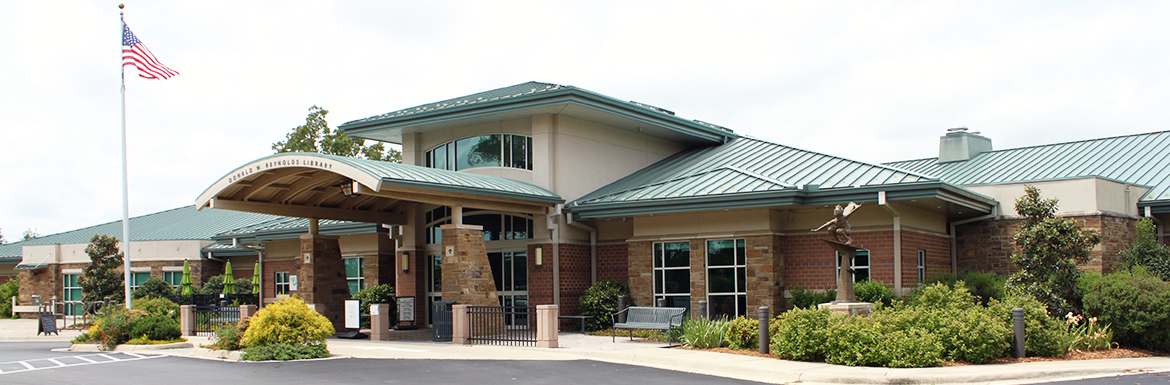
(897, 241)
(592, 246)
(954, 239)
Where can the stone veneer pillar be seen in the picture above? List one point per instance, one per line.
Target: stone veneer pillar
(322, 277)
(467, 274)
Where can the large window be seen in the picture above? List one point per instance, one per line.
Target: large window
(727, 278)
(354, 274)
(672, 273)
(137, 279)
(494, 150)
(860, 266)
(72, 293)
(282, 285)
(510, 271)
(495, 226)
(174, 278)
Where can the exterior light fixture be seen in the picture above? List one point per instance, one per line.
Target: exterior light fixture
(405, 262)
(347, 189)
(539, 260)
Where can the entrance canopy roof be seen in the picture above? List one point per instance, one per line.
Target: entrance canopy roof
(308, 185)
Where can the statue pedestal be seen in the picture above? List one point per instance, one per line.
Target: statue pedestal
(848, 308)
(845, 273)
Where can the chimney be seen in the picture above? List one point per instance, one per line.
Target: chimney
(959, 145)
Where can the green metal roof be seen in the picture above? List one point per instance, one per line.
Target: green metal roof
(184, 223)
(529, 94)
(1140, 159)
(748, 172)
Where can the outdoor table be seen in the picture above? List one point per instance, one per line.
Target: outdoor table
(580, 319)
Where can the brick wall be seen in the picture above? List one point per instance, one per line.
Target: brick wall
(988, 246)
(938, 255)
(764, 272)
(810, 262)
(322, 280)
(271, 267)
(613, 262)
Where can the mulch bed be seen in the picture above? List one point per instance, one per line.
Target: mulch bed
(1075, 355)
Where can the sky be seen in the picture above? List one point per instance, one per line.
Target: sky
(872, 81)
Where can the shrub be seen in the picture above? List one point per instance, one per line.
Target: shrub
(966, 331)
(7, 291)
(859, 341)
(985, 286)
(288, 321)
(1088, 334)
(1044, 336)
(1048, 249)
(801, 334)
(600, 301)
(155, 327)
(873, 291)
(153, 288)
(1136, 304)
(805, 299)
(229, 337)
(160, 306)
(743, 333)
(1147, 251)
(383, 293)
(115, 327)
(213, 286)
(704, 333)
(284, 352)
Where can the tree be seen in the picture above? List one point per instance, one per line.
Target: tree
(101, 278)
(316, 136)
(30, 234)
(152, 288)
(1048, 252)
(2, 240)
(1146, 251)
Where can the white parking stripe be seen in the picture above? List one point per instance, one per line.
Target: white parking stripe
(25, 364)
(56, 362)
(108, 357)
(29, 367)
(135, 355)
(84, 359)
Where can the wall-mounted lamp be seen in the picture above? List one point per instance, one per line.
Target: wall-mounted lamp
(539, 259)
(405, 262)
(347, 189)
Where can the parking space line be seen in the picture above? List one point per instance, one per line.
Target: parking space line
(29, 367)
(56, 362)
(85, 359)
(25, 364)
(132, 354)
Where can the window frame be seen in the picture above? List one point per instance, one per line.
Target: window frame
(361, 274)
(658, 264)
(509, 147)
(134, 284)
(921, 267)
(866, 267)
(277, 283)
(739, 277)
(177, 275)
(73, 306)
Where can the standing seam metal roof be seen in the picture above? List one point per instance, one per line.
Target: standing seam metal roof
(1140, 159)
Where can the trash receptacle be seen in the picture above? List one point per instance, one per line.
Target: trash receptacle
(441, 324)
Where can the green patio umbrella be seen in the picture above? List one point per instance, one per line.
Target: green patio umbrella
(229, 282)
(185, 283)
(256, 279)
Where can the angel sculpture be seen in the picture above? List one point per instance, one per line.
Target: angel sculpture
(839, 225)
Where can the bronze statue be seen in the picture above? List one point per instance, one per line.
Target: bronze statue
(839, 225)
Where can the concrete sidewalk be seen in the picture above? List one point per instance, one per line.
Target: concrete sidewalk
(575, 346)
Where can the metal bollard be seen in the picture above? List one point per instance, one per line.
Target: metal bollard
(764, 340)
(662, 302)
(1018, 328)
(621, 306)
(702, 310)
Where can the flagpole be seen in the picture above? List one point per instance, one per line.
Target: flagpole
(125, 184)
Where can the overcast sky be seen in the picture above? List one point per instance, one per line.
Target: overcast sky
(868, 80)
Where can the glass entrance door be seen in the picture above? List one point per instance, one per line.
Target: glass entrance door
(510, 270)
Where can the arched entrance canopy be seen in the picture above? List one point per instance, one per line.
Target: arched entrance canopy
(308, 185)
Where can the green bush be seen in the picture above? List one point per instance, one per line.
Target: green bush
(863, 341)
(288, 321)
(985, 286)
(1136, 304)
(801, 334)
(7, 291)
(967, 331)
(213, 286)
(873, 291)
(153, 288)
(600, 301)
(1147, 251)
(704, 333)
(383, 293)
(743, 333)
(1044, 336)
(805, 299)
(155, 327)
(115, 327)
(160, 306)
(284, 352)
(230, 337)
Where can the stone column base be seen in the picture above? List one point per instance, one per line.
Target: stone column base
(848, 308)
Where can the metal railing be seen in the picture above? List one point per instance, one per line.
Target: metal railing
(214, 299)
(210, 318)
(502, 325)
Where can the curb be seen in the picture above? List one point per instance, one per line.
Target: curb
(128, 348)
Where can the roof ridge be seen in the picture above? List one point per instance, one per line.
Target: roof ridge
(444, 102)
(103, 224)
(879, 165)
(1047, 145)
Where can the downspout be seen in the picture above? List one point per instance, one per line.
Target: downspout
(553, 225)
(592, 246)
(897, 241)
(954, 238)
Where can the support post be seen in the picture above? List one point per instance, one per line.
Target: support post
(1018, 328)
(702, 310)
(546, 326)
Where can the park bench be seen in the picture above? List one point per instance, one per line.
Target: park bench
(652, 318)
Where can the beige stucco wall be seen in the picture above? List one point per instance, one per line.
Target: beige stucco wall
(701, 224)
(587, 155)
(138, 251)
(8, 270)
(1077, 196)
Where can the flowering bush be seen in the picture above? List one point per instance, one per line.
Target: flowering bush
(1087, 336)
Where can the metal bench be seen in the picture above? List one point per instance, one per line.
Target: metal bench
(652, 318)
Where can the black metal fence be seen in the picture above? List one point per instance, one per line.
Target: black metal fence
(210, 318)
(214, 299)
(502, 325)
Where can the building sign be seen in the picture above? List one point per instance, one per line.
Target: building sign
(292, 283)
(406, 309)
(353, 314)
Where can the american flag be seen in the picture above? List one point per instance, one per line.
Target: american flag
(134, 53)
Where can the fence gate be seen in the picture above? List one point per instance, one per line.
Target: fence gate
(210, 318)
(502, 325)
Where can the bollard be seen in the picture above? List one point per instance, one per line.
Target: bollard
(1018, 328)
(702, 309)
(764, 341)
(621, 306)
(662, 302)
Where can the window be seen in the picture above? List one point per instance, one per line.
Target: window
(672, 273)
(435, 284)
(727, 278)
(174, 278)
(860, 266)
(282, 285)
(354, 275)
(137, 279)
(495, 226)
(436, 218)
(510, 271)
(72, 295)
(921, 266)
(494, 150)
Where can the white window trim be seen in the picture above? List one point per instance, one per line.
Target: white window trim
(837, 265)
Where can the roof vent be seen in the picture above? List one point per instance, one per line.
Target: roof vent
(959, 145)
(665, 111)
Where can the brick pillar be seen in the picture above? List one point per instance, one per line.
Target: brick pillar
(467, 275)
(412, 281)
(322, 277)
(247, 311)
(460, 324)
(187, 320)
(546, 326)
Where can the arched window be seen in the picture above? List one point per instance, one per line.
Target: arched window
(496, 227)
(493, 150)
